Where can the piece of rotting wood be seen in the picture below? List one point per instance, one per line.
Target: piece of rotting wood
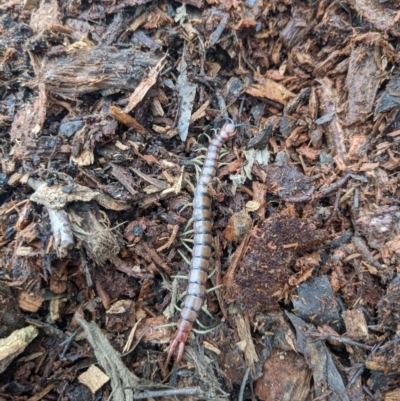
(92, 69)
(14, 344)
(356, 324)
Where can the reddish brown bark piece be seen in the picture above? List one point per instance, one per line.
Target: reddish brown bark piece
(232, 358)
(30, 119)
(299, 26)
(29, 302)
(120, 316)
(335, 136)
(126, 119)
(124, 178)
(392, 395)
(89, 70)
(389, 305)
(284, 180)
(379, 226)
(239, 224)
(383, 15)
(58, 280)
(46, 17)
(363, 81)
(11, 317)
(151, 331)
(286, 376)
(271, 90)
(267, 263)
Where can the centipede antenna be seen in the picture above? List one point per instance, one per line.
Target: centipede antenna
(230, 121)
(186, 246)
(187, 261)
(185, 206)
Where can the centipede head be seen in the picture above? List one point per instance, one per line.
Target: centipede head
(229, 130)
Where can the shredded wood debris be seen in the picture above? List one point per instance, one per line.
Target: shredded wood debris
(106, 113)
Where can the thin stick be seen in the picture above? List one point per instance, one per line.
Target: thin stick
(244, 382)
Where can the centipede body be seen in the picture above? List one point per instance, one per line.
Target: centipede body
(201, 254)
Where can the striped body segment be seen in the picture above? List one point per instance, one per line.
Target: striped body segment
(201, 254)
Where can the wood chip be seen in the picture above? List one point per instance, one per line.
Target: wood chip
(286, 376)
(94, 378)
(211, 347)
(270, 89)
(126, 119)
(152, 333)
(356, 324)
(29, 302)
(15, 344)
(244, 333)
(144, 86)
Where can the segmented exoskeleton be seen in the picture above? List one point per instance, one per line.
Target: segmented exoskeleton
(201, 253)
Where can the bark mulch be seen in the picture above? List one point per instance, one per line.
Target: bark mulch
(106, 111)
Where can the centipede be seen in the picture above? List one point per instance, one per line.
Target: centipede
(202, 239)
